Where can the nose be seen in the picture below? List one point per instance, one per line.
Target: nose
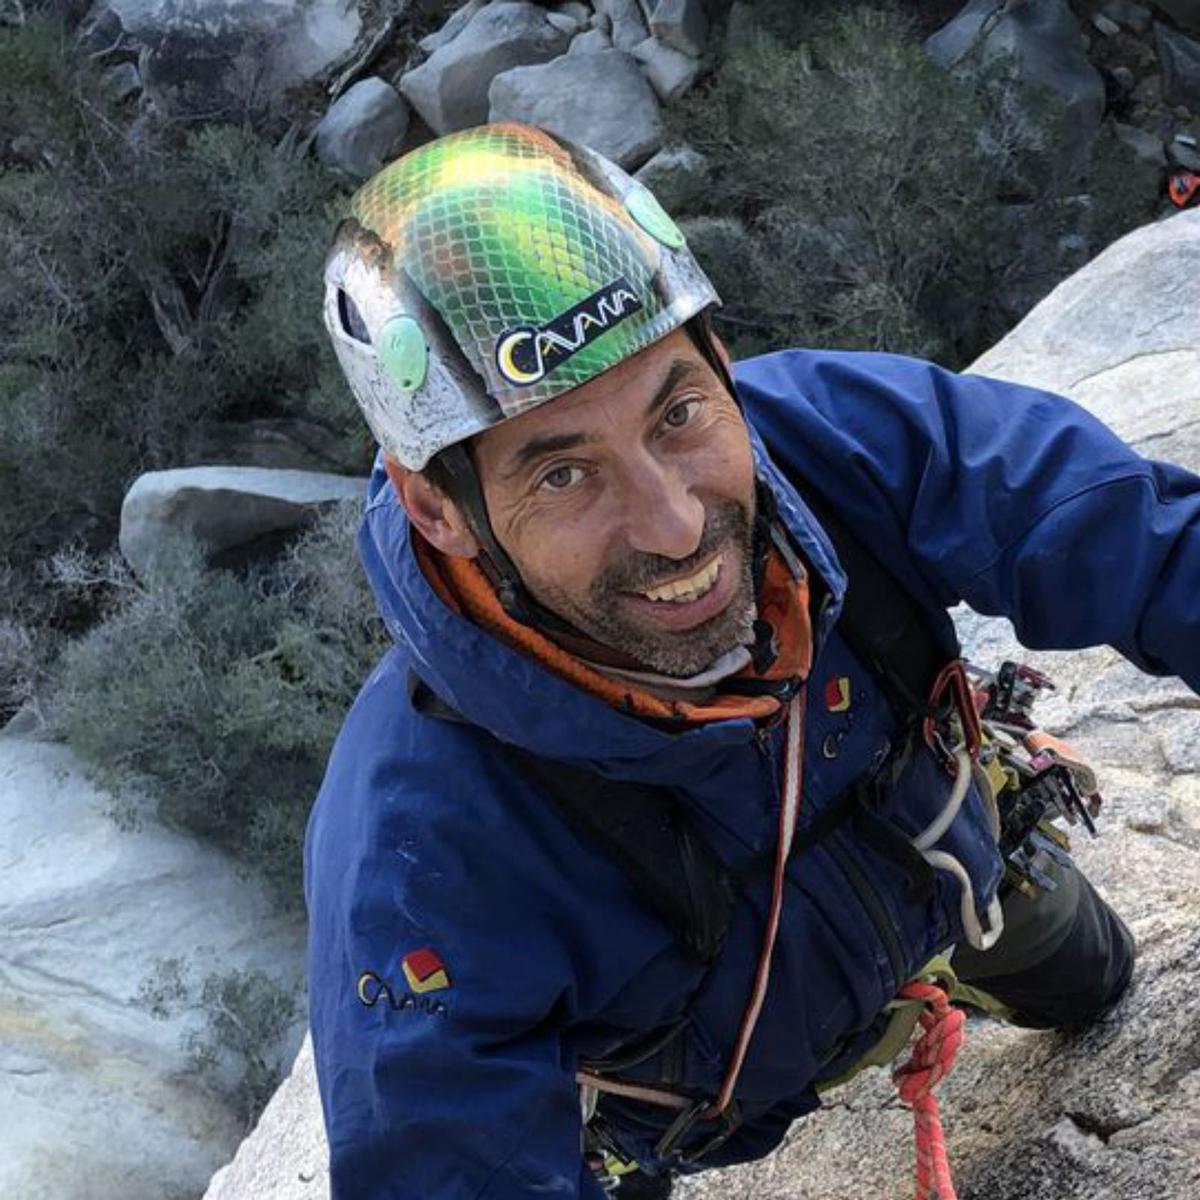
(664, 516)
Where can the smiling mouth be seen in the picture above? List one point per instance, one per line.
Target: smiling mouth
(688, 589)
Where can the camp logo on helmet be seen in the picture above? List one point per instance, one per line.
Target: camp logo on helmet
(528, 353)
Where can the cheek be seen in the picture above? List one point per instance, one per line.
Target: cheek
(724, 466)
(559, 557)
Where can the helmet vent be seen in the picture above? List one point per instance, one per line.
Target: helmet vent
(352, 323)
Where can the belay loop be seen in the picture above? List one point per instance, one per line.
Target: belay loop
(930, 1062)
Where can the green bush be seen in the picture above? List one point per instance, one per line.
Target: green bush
(218, 697)
(156, 277)
(247, 1017)
(862, 197)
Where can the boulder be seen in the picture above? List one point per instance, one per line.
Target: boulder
(1136, 17)
(601, 100)
(681, 24)
(1113, 1112)
(1179, 57)
(98, 1099)
(214, 58)
(564, 21)
(591, 41)
(1041, 40)
(1185, 13)
(676, 175)
(450, 90)
(455, 24)
(626, 24)
(363, 128)
(225, 507)
(671, 72)
(579, 12)
(122, 81)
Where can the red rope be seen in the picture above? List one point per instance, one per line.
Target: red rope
(929, 1063)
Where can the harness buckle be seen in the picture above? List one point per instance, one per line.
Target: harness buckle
(668, 1146)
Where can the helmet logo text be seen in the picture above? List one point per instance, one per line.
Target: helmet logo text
(526, 354)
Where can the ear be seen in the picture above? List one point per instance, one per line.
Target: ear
(435, 516)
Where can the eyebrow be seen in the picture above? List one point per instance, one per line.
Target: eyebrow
(555, 443)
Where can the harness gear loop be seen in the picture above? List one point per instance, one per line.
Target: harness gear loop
(930, 1062)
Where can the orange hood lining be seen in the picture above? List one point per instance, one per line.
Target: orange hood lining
(783, 602)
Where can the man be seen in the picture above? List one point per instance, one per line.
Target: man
(623, 832)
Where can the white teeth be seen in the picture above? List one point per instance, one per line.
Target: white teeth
(682, 591)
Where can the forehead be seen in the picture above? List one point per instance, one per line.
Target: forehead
(620, 392)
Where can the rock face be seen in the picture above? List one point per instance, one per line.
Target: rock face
(225, 507)
(1110, 1114)
(285, 1157)
(210, 57)
(94, 1092)
(601, 100)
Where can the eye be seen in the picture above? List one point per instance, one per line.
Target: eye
(681, 412)
(353, 324)
(559, 479)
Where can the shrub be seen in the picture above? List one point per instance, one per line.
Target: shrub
(156, 277)
(218, 697)
(879, 201)
(247, 1019)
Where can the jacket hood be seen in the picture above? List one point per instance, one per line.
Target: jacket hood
(516, 698)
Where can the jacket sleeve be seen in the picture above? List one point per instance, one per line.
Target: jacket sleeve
(453, 1086)
(1012, 499)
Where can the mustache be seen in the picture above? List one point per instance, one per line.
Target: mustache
(730, 522)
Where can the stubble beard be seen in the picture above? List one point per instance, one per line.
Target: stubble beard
(675, 653)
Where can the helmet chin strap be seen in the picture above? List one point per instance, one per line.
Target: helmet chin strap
(494, 561)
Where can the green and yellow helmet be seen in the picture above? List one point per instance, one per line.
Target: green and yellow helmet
(490, 271)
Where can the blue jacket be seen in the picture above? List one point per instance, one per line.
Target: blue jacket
(467, 949)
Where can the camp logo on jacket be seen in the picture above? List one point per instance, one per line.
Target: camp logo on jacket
(424, 971)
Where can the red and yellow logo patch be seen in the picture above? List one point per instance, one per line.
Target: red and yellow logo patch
(424, 971)
(837, 693)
